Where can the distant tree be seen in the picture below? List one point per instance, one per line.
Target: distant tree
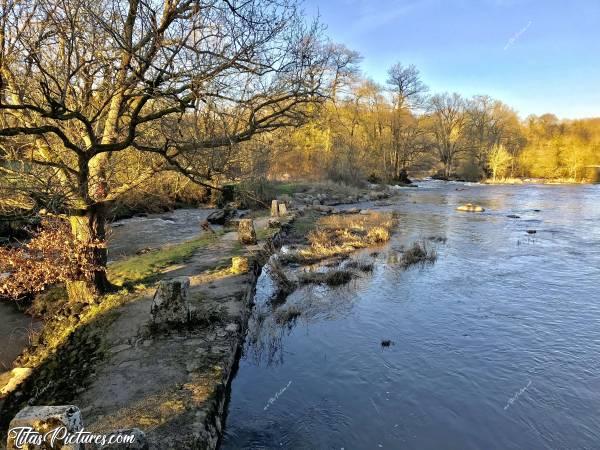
(499, 160)
(447, 123)
(407, 91)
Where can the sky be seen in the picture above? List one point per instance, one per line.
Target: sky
(538, 56)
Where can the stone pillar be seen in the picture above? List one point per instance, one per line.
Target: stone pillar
(282, 209)
(45, 419)
(239, 264)
(246, 233)
(170, 303)
(274, 209)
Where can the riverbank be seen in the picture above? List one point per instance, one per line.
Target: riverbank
(109, 360)
(537, 181)
(81, 355)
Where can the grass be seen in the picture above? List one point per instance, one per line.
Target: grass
(342, 234)
(362, 266)
(337, 277)
(284, 285)
(287, 315)
(418, 253)
(146, 268)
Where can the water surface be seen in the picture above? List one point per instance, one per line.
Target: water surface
(496, 346)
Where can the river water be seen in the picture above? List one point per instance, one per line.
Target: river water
(495, 346)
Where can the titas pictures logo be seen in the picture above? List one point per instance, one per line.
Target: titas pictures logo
(22, 437)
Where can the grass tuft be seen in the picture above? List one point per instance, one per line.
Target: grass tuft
(418, 253)
(331, 278)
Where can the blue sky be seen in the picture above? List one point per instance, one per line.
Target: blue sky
(537, 56)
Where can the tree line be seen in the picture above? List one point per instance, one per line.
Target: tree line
(380, 131)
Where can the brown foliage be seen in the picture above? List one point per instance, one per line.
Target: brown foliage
(51, 256)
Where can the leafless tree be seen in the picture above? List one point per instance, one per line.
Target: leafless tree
(408, 94)
(447, 123)
(100, 95)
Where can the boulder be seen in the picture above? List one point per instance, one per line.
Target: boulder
(170, 303)
(45, 419)
(220, 216)
(246, 232)
(469, 207)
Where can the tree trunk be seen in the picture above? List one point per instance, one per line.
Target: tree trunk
(89, 228)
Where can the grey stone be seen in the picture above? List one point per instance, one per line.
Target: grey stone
(274, 208)
(246, 232)
(170, 303)
(44, 419)
(282, 209)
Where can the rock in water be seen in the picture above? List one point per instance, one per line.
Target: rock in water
(470, 207)
(246, 233)
(217, 217)
(170, 303)
(44, 419)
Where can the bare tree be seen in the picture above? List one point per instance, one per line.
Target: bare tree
(447, 123)
(407, 90)
(100, 95)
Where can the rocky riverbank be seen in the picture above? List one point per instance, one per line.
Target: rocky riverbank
(113, 362)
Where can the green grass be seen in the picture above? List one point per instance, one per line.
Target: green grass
(145, 268)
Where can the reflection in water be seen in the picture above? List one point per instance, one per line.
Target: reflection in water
(502, 318)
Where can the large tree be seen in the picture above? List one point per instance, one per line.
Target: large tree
(96, 96)
(407, 91)
(447, 124)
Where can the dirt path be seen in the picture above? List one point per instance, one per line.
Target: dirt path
(171, 384)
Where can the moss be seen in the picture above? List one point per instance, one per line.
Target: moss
(145, 268)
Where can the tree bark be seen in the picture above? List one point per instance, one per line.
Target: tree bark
(90, 228)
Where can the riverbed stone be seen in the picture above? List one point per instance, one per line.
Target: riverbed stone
(170, 303)
(470, 207)
(44, 419)
(246, 232)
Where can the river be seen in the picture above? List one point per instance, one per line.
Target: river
(495, 346)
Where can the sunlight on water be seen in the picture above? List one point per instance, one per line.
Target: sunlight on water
(494, 346)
